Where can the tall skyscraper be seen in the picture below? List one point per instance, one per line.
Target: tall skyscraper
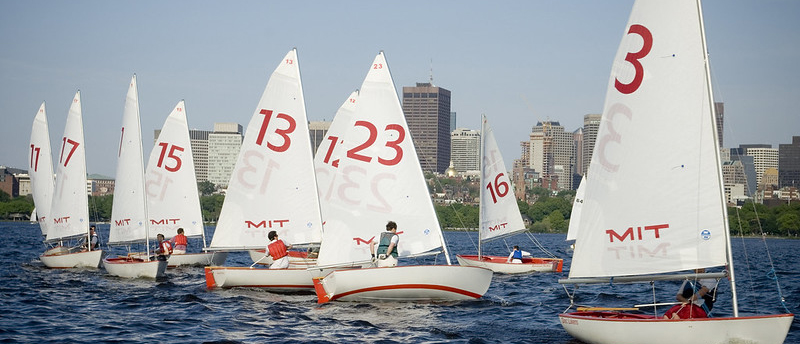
(719, 109)
(427, 111)
(223, 151)
(453, 123)
(465, 147)
(551, 151)
(591, 123)
(789, 164)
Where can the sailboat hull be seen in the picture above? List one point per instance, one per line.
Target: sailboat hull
(499, 264)
(197, 259)
(296, 259)
(278, 280)
(135, 268)
(621, 328)
(404, 283)
(61, 258)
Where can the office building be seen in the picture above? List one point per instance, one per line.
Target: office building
(591, 124)
(789, 164)
(317, 131)
(465, 150)
(551, 153)
(223, 151)
(427, 111)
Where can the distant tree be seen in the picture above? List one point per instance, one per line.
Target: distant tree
(206, 188)
(4, 197)
(211, 206)
(789, 223)
(100, 208)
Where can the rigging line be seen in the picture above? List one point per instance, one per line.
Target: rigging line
(769, 256)
(747, 260)
(539, 244)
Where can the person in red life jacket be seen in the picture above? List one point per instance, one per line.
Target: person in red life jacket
(387, 247)
(179, 243)
(278, 250)
(164, 248)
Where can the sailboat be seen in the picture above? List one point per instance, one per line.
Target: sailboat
(171, 187)
(372, 175)
(40, 170)
(655, 207)
(69, 210)
(129, 220)
(575, 214)
(499, 214)
(272, 187)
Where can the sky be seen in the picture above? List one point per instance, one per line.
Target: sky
(518, 62)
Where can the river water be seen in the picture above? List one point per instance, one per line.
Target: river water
(87, 305)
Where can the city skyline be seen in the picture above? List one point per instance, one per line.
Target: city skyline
(519, 63)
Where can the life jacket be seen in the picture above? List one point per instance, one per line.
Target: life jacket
(383, 244)
(166, 248)
(685, 311)
(277, 249)
(180, 240)
(517, 255)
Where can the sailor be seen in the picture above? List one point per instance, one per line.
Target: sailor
(164, 248)
(278, 250)
(516, 255)
(179, 242)
(387, 246)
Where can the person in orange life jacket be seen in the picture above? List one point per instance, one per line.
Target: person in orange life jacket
(278, 250)
(164, 248)
(516, 255)
(179, 243)
(387, 247)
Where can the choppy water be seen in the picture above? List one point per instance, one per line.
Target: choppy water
(57, 306)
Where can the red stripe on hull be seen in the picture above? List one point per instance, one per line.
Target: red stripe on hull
(408, 286)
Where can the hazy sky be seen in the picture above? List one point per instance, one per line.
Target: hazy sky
(516, 61)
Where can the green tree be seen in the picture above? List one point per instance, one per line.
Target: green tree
(789, 223)
(206, 188)
(211, 206)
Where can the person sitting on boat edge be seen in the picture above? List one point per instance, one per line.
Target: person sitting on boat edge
(93, 241)
(278, 250)
(702, 293)
(179, 243)
(387, 246)
(164, 248)
(516, 255)
(697, 299)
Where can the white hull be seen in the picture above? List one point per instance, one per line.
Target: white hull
(281, 280)
(499, 264)
(61, 258)
(134, 268)
(405, 283)
(590, 328)
(296, 259)
(197, 259)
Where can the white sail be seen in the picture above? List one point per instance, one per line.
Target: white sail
(273, 186)
(170, 182)
(499, 212)
(577, 208)
(129, 212)
(69, 211)
(40, 170)
(654, 204)
(377, 178)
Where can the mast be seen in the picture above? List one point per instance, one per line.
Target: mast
(480, 190)
(712, 111)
